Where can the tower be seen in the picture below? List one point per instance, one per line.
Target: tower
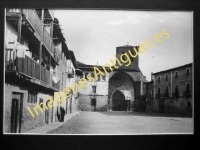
(129, 50)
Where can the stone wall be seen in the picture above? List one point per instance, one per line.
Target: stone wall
(27, 121)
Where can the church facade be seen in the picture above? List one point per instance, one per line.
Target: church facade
(122, 89)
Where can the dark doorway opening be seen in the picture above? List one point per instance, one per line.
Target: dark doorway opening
(119, 103)
(16, 112)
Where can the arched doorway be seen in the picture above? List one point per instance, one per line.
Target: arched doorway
(118, 102)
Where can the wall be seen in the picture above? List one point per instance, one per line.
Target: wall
(28, 122)
(181, 81)
(86, 94)
(135, 62)
(174, 105)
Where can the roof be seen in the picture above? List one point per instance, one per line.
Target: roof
(73, 59)
(126, 46)
(179, 67)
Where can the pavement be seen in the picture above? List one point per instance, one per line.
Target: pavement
(125, 123)
(48, 127)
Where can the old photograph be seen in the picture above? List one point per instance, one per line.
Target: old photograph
(98, 72)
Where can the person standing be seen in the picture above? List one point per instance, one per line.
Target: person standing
(58, 114)
(62, 114)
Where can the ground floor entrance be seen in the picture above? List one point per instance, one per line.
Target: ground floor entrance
(16, 112)
(118, 102)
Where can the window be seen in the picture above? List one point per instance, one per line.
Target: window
(188, 105)
(176, 75)
(176, 91)
(158, 79)
(32, 97)
(94, 88)
(188, 72)
(132, 59)
(166, 91)
(158, 92)
(123, 57)
(166, 77)
(41, 101)
(93, 102)
(104, 78)
(86, 75)
(187, 89)
(92, 75)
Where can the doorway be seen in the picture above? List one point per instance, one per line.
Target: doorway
(118, 102)
(16, 112)
(47, 113)
(161, 106)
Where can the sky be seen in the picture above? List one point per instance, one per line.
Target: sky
(93, 35)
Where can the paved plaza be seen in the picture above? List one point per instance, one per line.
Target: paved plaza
(122, 122)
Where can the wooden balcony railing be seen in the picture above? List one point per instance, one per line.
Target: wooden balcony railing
(34, 20)
(187, 93)
(28, 67)
(47, 40)
(51, 11)
(36, 23)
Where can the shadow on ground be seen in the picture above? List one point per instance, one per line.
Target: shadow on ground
(146, 114)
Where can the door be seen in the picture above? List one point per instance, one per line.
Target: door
(70, 105)
(118, 102)
(47, 112)
(161, 106)
(16, 112)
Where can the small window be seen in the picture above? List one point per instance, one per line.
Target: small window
(132, 59)
(158, 79)
(32, 97)
(41, 101)
(86, 75)
(93, 102)
(166, 77)
(188, 73)
(176, 75)
(104, 78)
(123, 57)
(94, 88)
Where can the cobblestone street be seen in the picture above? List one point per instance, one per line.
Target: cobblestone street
(117, 122)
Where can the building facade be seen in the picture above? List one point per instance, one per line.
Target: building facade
(121, 88)
(95, 95)
(126, 83)
(172, 90)
(38, 65)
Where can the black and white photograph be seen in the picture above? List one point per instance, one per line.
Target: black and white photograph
(98, 72)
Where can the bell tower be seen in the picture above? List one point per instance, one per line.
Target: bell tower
(134, 61)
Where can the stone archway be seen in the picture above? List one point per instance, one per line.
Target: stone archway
(118, 101)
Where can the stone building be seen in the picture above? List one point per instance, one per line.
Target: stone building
(121, 88)
(95, 95)
(126, 90)
(38, 65)
(29, 67)
(172, 90)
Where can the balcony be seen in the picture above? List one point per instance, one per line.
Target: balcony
(34, 20)
(29, 68)
(175, 94)
(165, 94)
(187, 93)
(158, 96)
